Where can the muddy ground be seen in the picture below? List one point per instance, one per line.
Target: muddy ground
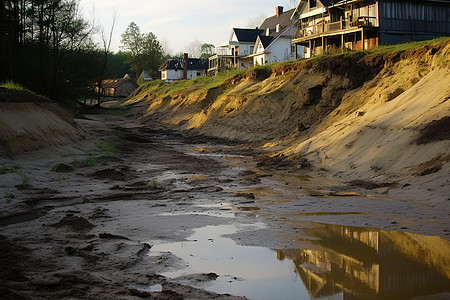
(78, 221)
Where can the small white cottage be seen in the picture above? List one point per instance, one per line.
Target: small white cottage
(182, 68)
(275, 43)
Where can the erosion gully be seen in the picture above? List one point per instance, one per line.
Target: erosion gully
(174, 216)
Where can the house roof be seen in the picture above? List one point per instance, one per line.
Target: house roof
(145, 75)
(284, 20)
(328, 2)
(113, 83)
(178, 64)
(247, 35)
(265, 40)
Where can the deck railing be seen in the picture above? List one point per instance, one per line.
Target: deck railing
(325, 27)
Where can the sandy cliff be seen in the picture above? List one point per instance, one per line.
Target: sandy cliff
(29, 122)
(378, 120)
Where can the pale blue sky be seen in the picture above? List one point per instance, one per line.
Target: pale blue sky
(179, 22)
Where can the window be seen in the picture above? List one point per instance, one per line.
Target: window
(252, 48)
(312, 3)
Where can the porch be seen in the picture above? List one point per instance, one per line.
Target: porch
(359, 34)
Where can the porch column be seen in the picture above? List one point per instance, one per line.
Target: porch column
(310, 50)
(362, 37)
(295, 51)
(342, 41)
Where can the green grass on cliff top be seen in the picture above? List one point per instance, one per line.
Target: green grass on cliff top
(159, 87)
(13, 92)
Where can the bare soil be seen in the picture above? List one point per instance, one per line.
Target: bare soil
(85, 220)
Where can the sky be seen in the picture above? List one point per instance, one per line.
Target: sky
(177, 23)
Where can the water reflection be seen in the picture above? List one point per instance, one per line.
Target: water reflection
(371, 264)
(335, 262)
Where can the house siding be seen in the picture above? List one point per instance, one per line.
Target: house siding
(172, 75)
(407, 21)
(124, 90)
(361, 24)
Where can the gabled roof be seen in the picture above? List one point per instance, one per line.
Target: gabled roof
(145, 75)
(284, 20)
(113, 83)
(246, 35)
(178, 64)
(327, 3)
(265, 40)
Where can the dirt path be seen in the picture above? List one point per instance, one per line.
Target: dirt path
(80, 221)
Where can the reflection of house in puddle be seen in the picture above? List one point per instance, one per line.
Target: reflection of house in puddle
(372, 264)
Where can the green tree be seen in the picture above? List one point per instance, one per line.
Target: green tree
(40, 41)
(144, 49)
(118, 65)
(207, 50)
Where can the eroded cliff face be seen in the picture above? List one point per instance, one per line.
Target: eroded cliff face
(355, 115)
(30, 123)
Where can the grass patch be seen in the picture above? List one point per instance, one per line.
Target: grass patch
(90, 160)
(11, 85)
(382, 49)
(4, 169)
(13, 92)
(108, 148)
(104, 150)
(159, 89)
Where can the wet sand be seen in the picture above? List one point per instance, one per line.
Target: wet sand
(80, 221)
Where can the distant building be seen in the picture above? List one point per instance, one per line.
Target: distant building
(183, 68)
(364, 24)
(234, 53)
(119, 87)
(146, 76)
(275, 43)
(271, 42)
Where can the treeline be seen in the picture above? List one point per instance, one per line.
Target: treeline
(48, 47)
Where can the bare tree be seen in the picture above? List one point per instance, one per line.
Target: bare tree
(255, 22)
(194, 48)
(165, 45)
(106, 40)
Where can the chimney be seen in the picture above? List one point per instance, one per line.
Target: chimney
(185, 65)
(279, 10)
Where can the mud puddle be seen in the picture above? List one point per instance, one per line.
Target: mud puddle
(337, 262)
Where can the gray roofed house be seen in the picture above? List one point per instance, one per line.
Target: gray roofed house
(117, 87)
(275, 43)
(173, 69)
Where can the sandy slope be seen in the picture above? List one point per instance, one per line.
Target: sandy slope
(357, 117)
(380, 139)
(81, 232)
(30, 126)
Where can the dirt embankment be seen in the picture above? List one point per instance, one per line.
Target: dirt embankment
(29, 122)
(382, 118)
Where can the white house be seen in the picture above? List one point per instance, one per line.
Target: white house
(182, 68)
(234, 53)
(275, 43)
